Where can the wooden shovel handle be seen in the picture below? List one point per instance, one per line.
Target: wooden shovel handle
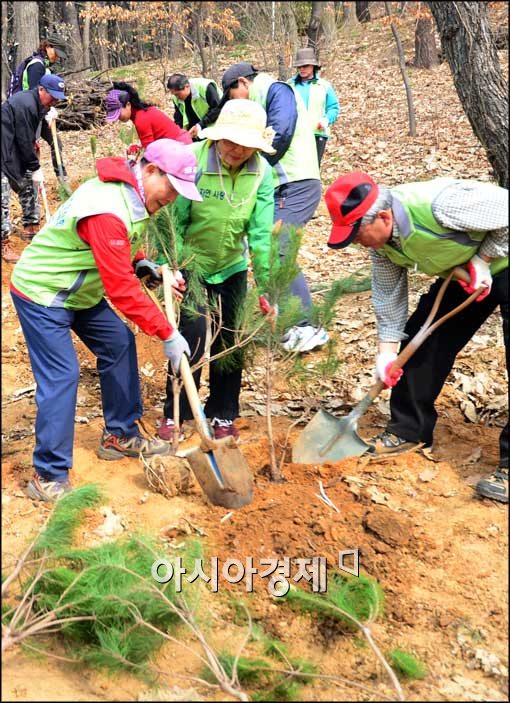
(184, 368)
(427, 328)
(53, 128)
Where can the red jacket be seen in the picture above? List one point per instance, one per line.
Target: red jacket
(107, 236)
(152, 124)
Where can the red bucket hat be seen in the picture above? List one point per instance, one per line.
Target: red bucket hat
(348, 199)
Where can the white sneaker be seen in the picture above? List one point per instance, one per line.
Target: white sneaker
(304, 338)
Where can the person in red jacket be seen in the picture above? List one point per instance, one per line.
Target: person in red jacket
(85, 253)
(123, 103)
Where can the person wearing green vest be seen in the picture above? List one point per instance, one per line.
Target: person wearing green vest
(431, 227)
(318, 96)
(296, 178)
(234, 217)
(196, 102)
(88, 250)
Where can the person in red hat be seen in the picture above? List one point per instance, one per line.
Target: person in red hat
(431, 227)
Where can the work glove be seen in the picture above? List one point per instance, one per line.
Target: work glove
(145, 267)
(322, 124)
(38, 177)
(383, 364)
(133, 152)
(175, 346)
(51, 115)
(195, 131)
(266, 308)
(480, 273)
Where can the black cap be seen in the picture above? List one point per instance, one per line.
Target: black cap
(58, 43)
(238, 70)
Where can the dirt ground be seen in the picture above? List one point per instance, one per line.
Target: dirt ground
(438, 552)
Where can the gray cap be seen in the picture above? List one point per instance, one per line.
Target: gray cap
(238, 70)
(306, 57)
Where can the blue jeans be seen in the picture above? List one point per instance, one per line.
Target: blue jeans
(57, 372)
(294, 204)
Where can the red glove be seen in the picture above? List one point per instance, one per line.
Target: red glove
(266, 308)
(480, 273)
(383, 364)
(133, 152)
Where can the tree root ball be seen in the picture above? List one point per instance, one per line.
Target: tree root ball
(168, 475)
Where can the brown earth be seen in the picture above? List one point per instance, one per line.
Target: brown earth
(438, 552)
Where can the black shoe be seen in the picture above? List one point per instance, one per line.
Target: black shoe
(388, 443)
(495, 487)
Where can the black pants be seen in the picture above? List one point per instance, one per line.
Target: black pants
(413, 415)
(48, 138)
(225, 373)
(320, 143)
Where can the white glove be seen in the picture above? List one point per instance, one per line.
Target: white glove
(37, 176)
(480, 273)
(323, 124)
(175, 346)
(51, 115)
(383, 364)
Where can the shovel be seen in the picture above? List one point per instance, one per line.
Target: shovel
(219, 466)
(61, 176)
(328, 438)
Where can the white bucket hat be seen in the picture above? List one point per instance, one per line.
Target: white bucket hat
(242, 122)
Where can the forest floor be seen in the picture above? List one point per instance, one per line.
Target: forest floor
(438, 552)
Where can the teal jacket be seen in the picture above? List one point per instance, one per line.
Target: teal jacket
(236, 214)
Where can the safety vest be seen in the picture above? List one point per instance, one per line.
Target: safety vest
(300, 160)
(316, 107)
(58, 268)
(216, 227)
(35, 59)
(426, 245)
(198, 99)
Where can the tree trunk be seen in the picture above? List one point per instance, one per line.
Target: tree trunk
(470, 50)
(425, 50)
(314, 29)
(350, 18)
(86, 41)
(102, 41)
(407, 84)
(6, 69)
(362, 11)
(329, 23)
(75, 55)
(26, 28)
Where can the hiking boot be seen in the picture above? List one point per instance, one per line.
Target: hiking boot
(388, 443)
(113, 447)
(47, 491)
(29, 232)
(166, 430)
(304, 338)
(8, 253)
(495, 487)
(224, 428)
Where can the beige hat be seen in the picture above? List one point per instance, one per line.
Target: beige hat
(242, 122)
(305, 57)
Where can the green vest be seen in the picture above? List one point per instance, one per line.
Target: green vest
(58, 268)
(24, 80)
(215, 229)
(300, 160)
(198, 99)
(316, 103)
(426, 245)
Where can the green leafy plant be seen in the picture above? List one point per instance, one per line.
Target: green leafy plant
(406, 665)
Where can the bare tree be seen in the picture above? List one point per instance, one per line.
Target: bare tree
(70, 16)
(402, 63)
(363, 11)
(349, 14)
(6, 69)
(425, 50)
(315, 29)
(470, 50)
(102, 42)
(86, 40)
(26, 27)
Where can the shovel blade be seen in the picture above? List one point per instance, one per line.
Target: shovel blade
(223, 475)
(311, 446)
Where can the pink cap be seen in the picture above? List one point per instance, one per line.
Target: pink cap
(178, 162)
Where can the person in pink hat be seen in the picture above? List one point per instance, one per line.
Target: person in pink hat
(87, 252)
(123, 104)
